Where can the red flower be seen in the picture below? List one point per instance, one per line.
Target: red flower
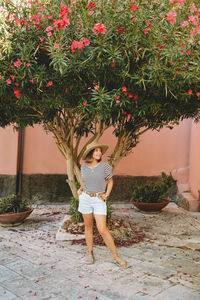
(130, 95)
(190, 92)
(198, 94)
(171, 63)
(117, 97)
(133, 7)
(91, 5)
(84, 103)
(96, 87)
(121, 30)
(28, 65)
(149, 23)
(146, 31)
(124, 89)
(135, 97)
(113, 64)
(134, 20)
(56, 45)
(17, 63)
(125, 112)
(31, 81)
(61, 23)
(99, 28)
(49, 83)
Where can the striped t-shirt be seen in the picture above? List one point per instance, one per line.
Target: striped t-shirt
(94, 178)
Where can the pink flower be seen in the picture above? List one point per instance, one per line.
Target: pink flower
(84, 103)
(8, 81)
(198, 94)
(146, 31)
(192, 33)
(170, 17)
(42, 39)
(188, 52)
(17, 95)
(16, 84)
(171, 63)
(49, 28)
(86, 42)
(17, 63)
(31, 81)
(134, 20)
(0, 77)
(192, 7)
(185, 23)
(99, 28)
(49, 33)
(96, 87)
(77, 45)
(117, 97)
(28, 65)
(117, 101)
(56, 45)
(12, 77)
(49, 83)
(124, 89)
(90, 13)
(198, 29)
(190, 92)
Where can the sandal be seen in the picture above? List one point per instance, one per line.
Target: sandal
(90, 259)
(120, 262)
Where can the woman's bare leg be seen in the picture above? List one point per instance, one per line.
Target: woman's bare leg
(107, 237)
(88, 221)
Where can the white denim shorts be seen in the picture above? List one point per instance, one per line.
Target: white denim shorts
(88, 205)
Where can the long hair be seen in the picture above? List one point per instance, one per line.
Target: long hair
(89, 157)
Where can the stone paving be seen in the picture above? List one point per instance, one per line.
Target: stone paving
(33, 265)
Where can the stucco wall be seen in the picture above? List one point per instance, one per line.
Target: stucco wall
(157, 151)
(8, 151)
(194, 174)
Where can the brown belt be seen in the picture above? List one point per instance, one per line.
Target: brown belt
(94, 194)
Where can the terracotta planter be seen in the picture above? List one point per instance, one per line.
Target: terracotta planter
(151, 207)
(15, 218)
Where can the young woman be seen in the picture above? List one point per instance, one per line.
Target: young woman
(93, 194)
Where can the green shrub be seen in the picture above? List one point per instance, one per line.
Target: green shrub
(12, 204)
(153, 192)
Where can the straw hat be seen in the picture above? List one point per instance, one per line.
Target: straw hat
(92, 146)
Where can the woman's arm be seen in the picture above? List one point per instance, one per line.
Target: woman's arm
(109, 189)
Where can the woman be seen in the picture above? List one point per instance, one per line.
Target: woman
(93, 194)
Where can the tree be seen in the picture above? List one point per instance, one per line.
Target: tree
(80, 67)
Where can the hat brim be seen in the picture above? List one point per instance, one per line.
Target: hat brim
(104, 148)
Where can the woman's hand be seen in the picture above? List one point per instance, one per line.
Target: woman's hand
(104, 197)
(80, 191)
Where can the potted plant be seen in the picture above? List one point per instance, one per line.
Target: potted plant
(152, 197)
(13, 210)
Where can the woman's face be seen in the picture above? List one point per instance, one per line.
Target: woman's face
(97, 154)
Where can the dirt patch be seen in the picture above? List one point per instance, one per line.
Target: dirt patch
(124, 233)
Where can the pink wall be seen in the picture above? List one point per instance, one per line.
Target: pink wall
(194, 174)
(8, 151)
(157, 151)
(41, 155)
